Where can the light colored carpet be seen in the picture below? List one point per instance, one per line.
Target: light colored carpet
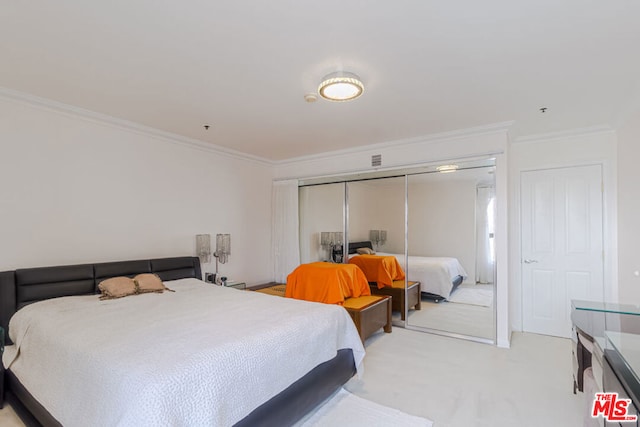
(481, 295)
(458, 383)
(346, 409)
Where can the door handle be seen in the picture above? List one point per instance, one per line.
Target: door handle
(530, 261)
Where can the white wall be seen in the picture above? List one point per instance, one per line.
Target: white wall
(76, 189)
(629, 208)
(598, 147)
(479, 143)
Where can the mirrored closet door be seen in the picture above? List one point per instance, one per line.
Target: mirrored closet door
(439, 226)
(451, 251)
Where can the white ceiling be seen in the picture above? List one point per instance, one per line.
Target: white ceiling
(244, 67)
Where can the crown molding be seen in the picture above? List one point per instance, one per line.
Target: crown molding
(104, 119)
(501, 127)
(564, 134)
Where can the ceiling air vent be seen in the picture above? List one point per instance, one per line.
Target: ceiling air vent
(376, 160)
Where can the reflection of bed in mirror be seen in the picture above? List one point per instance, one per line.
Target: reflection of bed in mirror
(385, 276)
(438, 276)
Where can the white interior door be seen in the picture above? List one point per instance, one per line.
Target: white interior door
(562, 245)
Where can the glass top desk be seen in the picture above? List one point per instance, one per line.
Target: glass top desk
(594, 318)
(606, 307)
(615, 331)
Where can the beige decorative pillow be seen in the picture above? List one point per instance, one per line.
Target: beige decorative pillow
(117, 287)
(365, 251)
(149, 282)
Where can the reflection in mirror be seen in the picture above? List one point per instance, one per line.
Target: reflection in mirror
(321, 222)
(376, 209)
(448, 222)
(451, 250)
(377, 220)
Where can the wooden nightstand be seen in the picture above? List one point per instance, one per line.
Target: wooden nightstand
(1, 367)
(236, 285)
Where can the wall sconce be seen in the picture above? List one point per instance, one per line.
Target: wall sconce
(223, 248)
(337, 251)
(325, 239)
(378, 237)
(203, 247)
(331, 239)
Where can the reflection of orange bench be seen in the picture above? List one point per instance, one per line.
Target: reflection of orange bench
(369, 313)
(396, 292)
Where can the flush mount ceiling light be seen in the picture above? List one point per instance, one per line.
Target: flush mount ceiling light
(447, 168)
(341, 86)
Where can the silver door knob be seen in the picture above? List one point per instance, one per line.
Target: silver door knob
(530, 261)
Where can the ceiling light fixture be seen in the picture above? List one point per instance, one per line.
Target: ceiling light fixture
(447, 168)
(341, 86)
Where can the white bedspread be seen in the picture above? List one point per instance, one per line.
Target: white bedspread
(204, 355)
(435, 274)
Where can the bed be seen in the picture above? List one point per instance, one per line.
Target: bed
(438, 276)
(171, 358)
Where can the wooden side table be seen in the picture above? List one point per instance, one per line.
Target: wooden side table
(369, 313)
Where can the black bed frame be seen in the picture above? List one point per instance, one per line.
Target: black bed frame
(354, 246)
(24, 286)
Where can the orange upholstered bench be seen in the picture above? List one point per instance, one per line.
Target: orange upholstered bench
(370, 313)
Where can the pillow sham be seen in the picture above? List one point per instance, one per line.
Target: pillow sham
(117, 287)
(365, 251)
(149, 282)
